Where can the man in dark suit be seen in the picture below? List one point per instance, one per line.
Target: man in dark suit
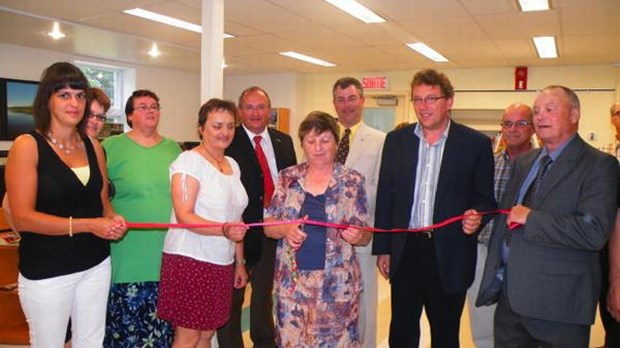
(430, 171)
(277, 149)
(545, 275)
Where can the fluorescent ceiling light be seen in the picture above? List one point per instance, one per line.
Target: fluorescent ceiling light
(153, 16)
(357, 10)
(427, 52)
(307, 59)
(154, 52)
(56, 33)
(533, 5)
(545, 46)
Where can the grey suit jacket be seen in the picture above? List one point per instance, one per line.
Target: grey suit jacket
(553, 270)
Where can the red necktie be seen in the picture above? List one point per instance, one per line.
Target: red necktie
(264, 167)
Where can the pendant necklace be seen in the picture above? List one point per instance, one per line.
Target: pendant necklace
(220, 163)
(68, 149)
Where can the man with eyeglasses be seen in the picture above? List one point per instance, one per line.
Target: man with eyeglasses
(516, 135)
(609, 305)
(360, 149)
(261, 152)
(431, 171)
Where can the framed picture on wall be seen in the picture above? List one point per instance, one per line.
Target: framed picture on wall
(16, 114)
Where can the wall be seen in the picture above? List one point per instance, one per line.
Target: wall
(498, 93)
(180, 95)
(179, 91)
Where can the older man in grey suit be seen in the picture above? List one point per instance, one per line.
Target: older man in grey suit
(545, 274)
(360, 148)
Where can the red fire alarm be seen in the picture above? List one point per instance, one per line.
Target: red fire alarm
(521, 77)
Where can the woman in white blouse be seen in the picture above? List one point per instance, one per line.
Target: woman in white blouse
(199, 269)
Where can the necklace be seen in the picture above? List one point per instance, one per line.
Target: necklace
(220, 163)
(67, 147)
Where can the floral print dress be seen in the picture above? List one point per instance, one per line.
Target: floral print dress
(319, 308)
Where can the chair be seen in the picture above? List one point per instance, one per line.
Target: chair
(13, 325)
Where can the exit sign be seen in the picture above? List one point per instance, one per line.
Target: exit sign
(375, 82)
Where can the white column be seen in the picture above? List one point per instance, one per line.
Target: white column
(212, 50)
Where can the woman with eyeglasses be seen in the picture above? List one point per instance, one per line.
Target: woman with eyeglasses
(99, 106)
(138, 163)
(57, 189)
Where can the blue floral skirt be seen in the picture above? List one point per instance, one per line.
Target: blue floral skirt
(132, 319)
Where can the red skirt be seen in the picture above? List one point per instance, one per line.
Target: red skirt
(194, 294)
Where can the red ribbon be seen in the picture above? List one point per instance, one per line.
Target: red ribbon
(148, 225)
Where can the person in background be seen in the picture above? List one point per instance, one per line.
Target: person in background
(318, 279)
(260, 252)
(138, 163)
(431, 170)
(360, 149)
(57, 189)
(517, 130)
(99, 106)
(200, 266)
(610, 256)
(544, 274)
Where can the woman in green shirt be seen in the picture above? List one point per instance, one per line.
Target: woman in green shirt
(138, 164)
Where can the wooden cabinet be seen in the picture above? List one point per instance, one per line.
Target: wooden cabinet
(279, 119)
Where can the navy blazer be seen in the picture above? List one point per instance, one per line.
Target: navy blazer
(242, 151)
(553, 270)
(465, 182)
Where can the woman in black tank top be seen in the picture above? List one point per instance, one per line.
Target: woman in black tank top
(57, 188)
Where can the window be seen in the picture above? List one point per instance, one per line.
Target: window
(117, 82)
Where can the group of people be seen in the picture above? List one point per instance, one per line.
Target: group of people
(539, 264)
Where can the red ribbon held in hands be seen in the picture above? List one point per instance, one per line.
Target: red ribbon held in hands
(148, 225)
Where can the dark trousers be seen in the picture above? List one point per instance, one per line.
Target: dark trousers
(612, 327)
(262, 330)
(512, 330)
(416, 285)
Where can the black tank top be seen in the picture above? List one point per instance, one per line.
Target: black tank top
(61, 193)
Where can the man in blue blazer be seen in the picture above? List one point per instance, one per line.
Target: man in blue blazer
(259, 251)
(431, 171)
(545, 275)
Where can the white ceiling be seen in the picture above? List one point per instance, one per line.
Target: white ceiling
(470, 33)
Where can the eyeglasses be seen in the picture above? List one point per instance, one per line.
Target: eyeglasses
(99, 117)
(144, 108)
(518, 124)
(429, 100)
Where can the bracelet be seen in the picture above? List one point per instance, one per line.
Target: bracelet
(70, 226)
(240, 262)
(224, 230)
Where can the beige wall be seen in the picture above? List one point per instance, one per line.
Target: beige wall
(179, 91)
(180, 95)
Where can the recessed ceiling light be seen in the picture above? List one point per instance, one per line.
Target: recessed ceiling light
(154, 52)
(428, 52)
(533, 5)
(307, 59)
(357, 10)
(157, 17)
(545, 46)
(56, 33)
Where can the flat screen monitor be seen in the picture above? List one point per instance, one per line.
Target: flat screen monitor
(16, 98)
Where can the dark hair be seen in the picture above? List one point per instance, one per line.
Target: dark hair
(573, 99)
(213, 105)
(432, 77)
(320, 122)
(98, 95)
(251, 90)
(55, 77)
(137, 94)
(345, 82)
